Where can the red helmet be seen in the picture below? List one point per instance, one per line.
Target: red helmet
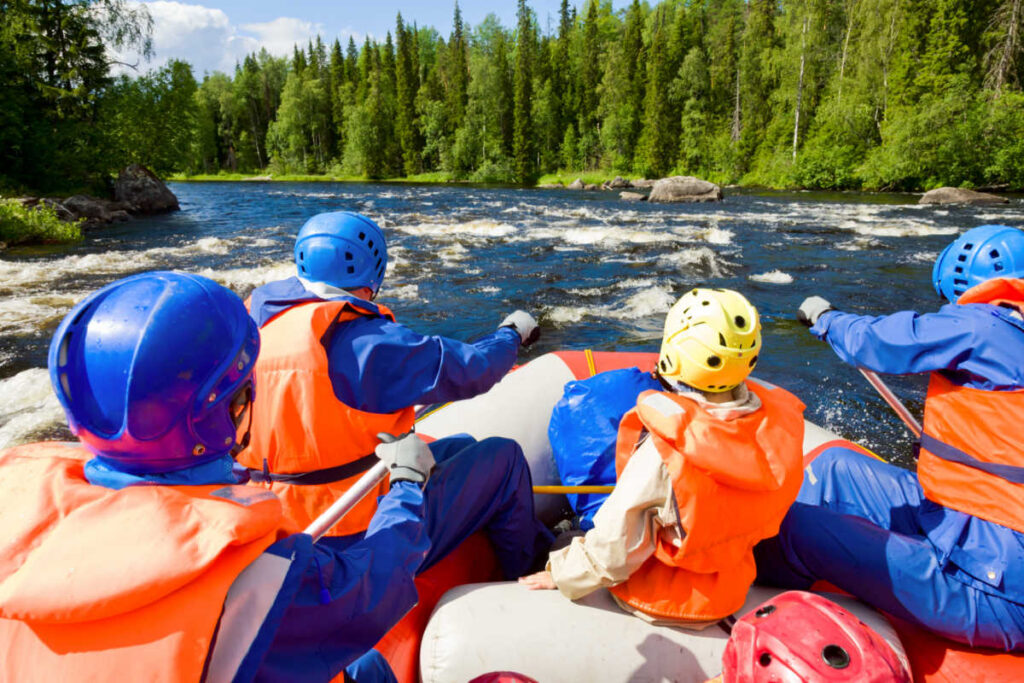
(503, 677)
(799, 637)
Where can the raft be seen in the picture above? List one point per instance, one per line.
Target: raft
(467, 623)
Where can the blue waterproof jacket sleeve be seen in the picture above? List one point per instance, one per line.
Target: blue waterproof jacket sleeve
(381, 367)
(584, 428)
(976, 345)
(350, 592)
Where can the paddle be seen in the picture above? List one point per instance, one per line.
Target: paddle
(887, 394)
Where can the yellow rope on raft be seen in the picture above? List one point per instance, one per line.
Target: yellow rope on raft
(573, 489)
(589, 355)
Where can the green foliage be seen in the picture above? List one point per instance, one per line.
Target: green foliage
(19, 224)
(904, 94)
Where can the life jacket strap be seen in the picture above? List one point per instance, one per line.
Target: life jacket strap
(941, 449)
(327, 475)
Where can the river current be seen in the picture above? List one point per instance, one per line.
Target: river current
(598, 273)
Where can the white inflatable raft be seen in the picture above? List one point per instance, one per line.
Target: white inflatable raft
(481, 628)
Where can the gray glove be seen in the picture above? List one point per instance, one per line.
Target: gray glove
(408, 458)
(523, 323)
(811, 309)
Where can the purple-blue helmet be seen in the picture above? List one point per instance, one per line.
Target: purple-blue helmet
(979, 254)
(155, 371)
(342, 249)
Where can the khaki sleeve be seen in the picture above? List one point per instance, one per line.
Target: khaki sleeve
(625, 529)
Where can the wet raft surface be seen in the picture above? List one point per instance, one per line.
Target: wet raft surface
(600, 272)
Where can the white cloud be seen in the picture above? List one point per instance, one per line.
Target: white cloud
(206, 38)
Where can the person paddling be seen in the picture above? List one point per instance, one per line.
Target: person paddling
(706, 467)
(942, 547)
(134, 554)
(336, 370)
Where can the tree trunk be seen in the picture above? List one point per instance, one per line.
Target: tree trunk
(846, 48)
(1004, 54)
(800, 87)
(736, 122)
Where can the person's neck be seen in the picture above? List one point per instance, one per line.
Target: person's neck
(720, 396)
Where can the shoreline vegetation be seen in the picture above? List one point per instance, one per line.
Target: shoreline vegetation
(38, 224)
(890, 95)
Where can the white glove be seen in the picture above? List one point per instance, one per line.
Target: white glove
(811, 309)
(408, 458)
(523, 323)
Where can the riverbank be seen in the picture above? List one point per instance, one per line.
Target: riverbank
(39, 224)
(433, 177)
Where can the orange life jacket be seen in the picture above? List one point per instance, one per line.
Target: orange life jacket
(98, 584)
(733, 482)
(972, 448)
(313, 446)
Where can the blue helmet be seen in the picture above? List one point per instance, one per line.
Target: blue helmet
(154, 371)
(979, 254)
(342, 249)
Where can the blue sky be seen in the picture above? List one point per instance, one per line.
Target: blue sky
(213, 35)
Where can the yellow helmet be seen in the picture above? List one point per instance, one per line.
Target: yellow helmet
(712, 338)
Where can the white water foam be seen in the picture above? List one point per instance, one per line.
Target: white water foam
(773, 277)
(480, 228)
(28, 407)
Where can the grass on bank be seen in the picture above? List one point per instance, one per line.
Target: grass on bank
(37, 224)
(433, 177)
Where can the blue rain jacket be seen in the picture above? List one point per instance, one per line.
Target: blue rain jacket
(867, 526)
(583, 430)
(379, 366)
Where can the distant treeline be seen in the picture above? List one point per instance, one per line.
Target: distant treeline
(879, 94)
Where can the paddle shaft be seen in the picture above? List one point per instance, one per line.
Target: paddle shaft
(332, 515)
(572, 489)
(887, 394)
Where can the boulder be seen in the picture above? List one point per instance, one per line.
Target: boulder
(577, 185)
(139, 187)
(95, 211)
(550, 186)
(619, 183)
(633, 196)
(682, 188)
(642, 183)
(62, 212)
(956, 195)
(591, 186)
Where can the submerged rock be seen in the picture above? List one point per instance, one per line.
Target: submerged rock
(633, 196)
(139, 187)
(95, 211)
(957, 195)
(685, 189)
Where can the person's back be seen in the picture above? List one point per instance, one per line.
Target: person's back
(942, 547)
(137, 553)
(712, 461)
(337, 369)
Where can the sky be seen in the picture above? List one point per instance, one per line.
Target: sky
(215, 35)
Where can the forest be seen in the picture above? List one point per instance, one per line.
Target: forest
(832, 94)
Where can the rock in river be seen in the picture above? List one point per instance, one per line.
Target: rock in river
(139, 187)
(682, 188)
(957, 195)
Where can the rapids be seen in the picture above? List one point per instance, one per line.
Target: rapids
(598, 272)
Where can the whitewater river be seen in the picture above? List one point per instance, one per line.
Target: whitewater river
(596, 271)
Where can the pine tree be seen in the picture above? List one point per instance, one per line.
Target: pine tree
(458, 76)
(407, 85)
(524, 167)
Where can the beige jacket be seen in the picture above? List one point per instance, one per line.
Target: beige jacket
(627, 525)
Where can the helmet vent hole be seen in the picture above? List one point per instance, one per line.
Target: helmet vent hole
(65, 386)
(714, 361)
(997, 267)
(362, 236)
(348, 256)
(968, 247)
(721, 339)
(705, 303)
(835, 656)
(765, 659)
(376, 252)
(764, 611)
(994, 253)
(961, 258)
(740, 321)
(959, 281)
(351, 269)
(663, 364)
(959, 270)
(302, 267)
(753, 361)
(370, 244)
(302, 255)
